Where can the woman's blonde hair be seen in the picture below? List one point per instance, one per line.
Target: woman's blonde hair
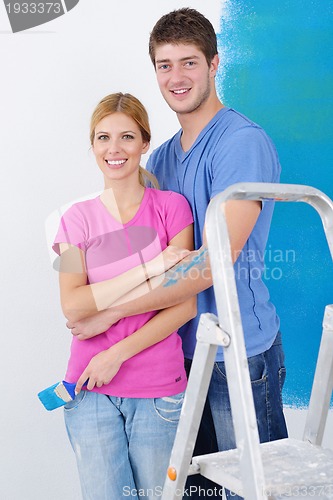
(132, 107)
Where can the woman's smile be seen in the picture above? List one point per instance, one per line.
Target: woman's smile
(115, 163)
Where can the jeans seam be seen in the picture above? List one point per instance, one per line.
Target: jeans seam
(268, 409)
(283, 370)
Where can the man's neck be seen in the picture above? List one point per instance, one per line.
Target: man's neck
(193, 123)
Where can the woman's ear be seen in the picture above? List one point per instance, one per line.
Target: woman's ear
(146, 146)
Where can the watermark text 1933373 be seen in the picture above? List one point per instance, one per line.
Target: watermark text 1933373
(23, 14)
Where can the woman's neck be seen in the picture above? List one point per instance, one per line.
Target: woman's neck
(122, 201)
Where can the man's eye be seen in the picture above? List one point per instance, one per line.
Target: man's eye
(164, 67)
(190, 63)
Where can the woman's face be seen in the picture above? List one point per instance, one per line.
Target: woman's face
(118, 146)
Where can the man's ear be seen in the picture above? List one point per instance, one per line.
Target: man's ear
(214, 65)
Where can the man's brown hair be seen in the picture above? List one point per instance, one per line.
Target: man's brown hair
(187, 26)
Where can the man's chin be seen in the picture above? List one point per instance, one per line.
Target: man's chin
(181, 109)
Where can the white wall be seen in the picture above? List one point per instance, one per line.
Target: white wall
(51, 78)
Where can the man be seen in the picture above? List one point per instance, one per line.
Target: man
(215, 147)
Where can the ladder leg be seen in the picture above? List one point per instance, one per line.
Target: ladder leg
(322, 384)
(194, 401)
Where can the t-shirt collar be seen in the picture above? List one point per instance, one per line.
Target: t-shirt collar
(182, 155)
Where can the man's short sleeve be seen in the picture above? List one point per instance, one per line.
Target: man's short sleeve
(178, 214)
(248, 155)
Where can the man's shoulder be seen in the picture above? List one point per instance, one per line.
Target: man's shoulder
(234, 120)
(162, 158)
(234, 127)
(166, 146)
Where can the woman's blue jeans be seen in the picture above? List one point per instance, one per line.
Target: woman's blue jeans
(122, 445)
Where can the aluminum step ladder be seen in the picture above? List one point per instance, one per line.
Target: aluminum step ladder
(280, 469)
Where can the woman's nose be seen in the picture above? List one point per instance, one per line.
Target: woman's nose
(113, 146)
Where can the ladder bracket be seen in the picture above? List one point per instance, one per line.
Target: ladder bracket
(194, 469)
(209, 331)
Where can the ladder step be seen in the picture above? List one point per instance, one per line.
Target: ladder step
(292, 468)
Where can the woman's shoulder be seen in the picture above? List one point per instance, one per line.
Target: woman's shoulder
(166, 196)
(81, 206)
(170, 204)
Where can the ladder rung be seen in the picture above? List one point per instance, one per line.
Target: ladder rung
(290, 466)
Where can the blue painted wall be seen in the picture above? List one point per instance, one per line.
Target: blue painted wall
(277, 68)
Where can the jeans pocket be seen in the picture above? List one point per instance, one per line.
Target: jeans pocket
(256, 365)
(169, 407)
(219, 369)
(257, 369)
(72, 405)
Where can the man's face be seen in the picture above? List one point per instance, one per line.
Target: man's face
(184, 77)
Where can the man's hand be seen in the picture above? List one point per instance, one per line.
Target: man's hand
(93, 325)
(101, 369)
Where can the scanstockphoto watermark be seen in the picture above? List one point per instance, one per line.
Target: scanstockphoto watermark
(157, 492)
(250, 265)
(24, 15)
(267, 265)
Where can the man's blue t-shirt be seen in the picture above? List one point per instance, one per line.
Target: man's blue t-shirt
(230, 149)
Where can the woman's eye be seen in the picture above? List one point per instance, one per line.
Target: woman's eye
(128, 136)
(102, 137)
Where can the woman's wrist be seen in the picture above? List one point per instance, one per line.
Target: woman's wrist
(113, 314)
(154, 267)
(118, 354)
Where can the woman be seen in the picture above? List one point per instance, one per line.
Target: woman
(122, 425)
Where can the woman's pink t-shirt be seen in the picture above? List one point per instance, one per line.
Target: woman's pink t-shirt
(111, 248)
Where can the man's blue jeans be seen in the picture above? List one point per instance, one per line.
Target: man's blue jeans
(122, 445)
(267, 372)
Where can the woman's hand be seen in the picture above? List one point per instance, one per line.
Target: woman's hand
(165, 260)
(101, 370)
(93, 325)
